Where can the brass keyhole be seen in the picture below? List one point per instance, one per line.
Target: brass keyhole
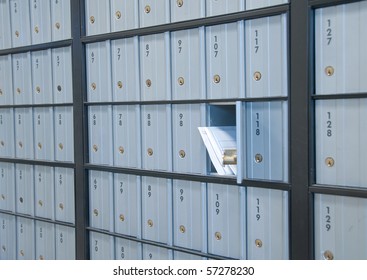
(121, 150)
(38, 89)
(20, 144)
(18, 90)
(147, 9)
(95, 148)
(258, 243)
(258, 158)
(182, 154)
(118, 14)
(119, 84)
(150, 223)
(148, 83)
(181, 81)
(17, 33)
(36, 29)
(180, 3)
(218, 235)
(216, 79)
(93, 86)
(257, 76)
(92, 19)
(329, 71)
(182, 229)
(122, 218)
(57, 25)
(95, 212)
(39, 146)
(61, 206)
(329, 161)
(150, 152)
(61, 146)
(328, 255)
(59, 88)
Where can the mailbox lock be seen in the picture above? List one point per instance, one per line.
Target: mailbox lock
(230, 157)
(329, 161)
(119, 84)
(150, 152)
(258, 158)
(218, 235)
(328, 255)
(61, 206)
(181, 81)
(180, 3)
(148, 83)
(95, 212)
(150, 223)
(93, 86)
(121, 150)
(147, 9)
(57, 25)
(257, 76)
(329, 71)
(92, 19)
(216, 79)
(182, 229)
(61, 146)
(122, 218)
(182, 153)
(36, 29)
(39, 146)
(258, 243)
(95, 148)
(118, 14)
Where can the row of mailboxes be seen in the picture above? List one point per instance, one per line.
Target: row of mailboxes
(111, 16)
(38, 191)
(236, 60)
(40, 77)
(26, 22)
(27, 239)
(224, 220)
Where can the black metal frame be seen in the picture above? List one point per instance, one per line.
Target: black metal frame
(301, 98)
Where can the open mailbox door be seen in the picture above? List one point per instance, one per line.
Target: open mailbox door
(220, 142)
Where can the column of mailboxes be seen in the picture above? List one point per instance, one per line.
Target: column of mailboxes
(226, 61)
(35, 125)
(341, 130)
